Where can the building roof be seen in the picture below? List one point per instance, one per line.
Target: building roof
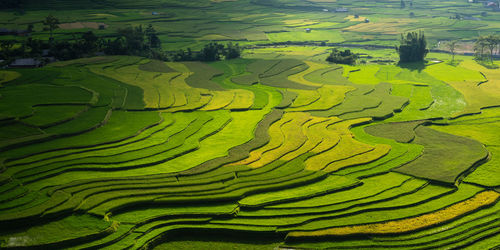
(25, 62)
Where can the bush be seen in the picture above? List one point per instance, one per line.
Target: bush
(342, 57)
(210, 53)
(413, 47)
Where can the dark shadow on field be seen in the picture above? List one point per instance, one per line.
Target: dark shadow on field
(413, 65)
(216, 239)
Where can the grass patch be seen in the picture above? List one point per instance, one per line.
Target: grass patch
(445, 156)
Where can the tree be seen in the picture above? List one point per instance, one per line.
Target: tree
(89, 42)
(134, 38)
(342, 57)
(412, 48)
(211, 52)
(486, 43)
(117, 46)
(6, 46)
(30, 28)
(184, 56)
(492, 42)
(152, 37)
(52, 23)
(403, 5)
(479, 49)
(452, 45)
(35, 46)
(232, 51)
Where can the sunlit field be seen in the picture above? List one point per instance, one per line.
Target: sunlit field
(277, 149)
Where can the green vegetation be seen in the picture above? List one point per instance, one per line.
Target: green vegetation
(341, 57)
(485, 47)
(238, 157)
(219, 124)
(412, 48)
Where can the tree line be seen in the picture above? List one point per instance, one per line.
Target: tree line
(136, 41)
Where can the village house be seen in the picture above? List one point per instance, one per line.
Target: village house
(25, 63)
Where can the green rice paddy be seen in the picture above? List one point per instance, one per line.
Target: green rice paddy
(274, 150)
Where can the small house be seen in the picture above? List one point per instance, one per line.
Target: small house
(308, 30)
(25, 63)
(154, 13)
(341, 9)
(367, 20)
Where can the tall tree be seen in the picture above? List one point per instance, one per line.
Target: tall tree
(232, 51)
(152, 37)
(413, 47)
(89, 42)
(211, 52)
(35, 46)
(492, 42)
(452, 45)
(485, 47)
(52, 23)
(479, 46)
(6, 46)
(134, 37)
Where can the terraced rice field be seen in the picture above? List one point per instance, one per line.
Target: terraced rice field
(192, 24)
(123, 152)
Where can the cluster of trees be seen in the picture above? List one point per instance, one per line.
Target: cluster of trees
(130, 41)
(412, 48)
(210, 53)
(137, 41)
(403, 4)
(486, 46)
(342, 57)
